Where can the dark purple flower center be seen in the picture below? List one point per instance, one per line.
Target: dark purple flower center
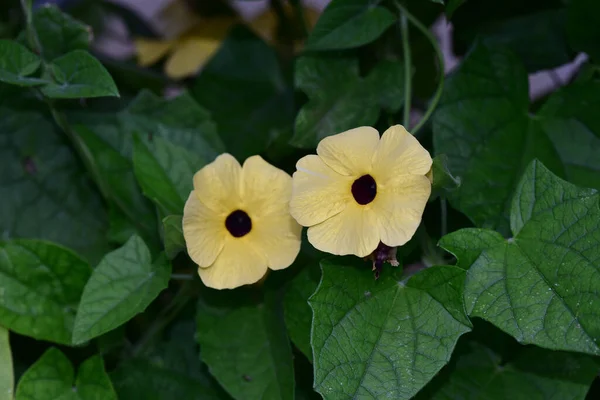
(364, 189)
(238, 223)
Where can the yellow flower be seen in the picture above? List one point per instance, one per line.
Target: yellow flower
(359, 190)
(188, 52)
(236, 222)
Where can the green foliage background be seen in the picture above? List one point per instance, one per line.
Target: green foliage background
(499, 295)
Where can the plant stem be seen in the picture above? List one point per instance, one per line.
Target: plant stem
(407, 70)
(182, 277)
(444, 216)
(59, 117)
(32, 37)
(164, 318)
(438, 93)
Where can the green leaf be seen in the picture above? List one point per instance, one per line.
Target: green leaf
(443, 180)
(538, 39)
(17, 63)
(384, 338)
(44, 190)
(386, 82)
(339, 99)
(78, 74)
(109, 142)
(583, 26)
(468, 244)
(7, 378)
(53, 377)
(122, 285)
(59, 33)
(41, 284)
(179, 120)
(172, 371)
(347, 24)
(121, 229)
(534, 30)
(298, 315)
(483, 126)
(245, 344)
(526, 285)
(535, 374)
(570, 119)
(173, 235)
(150, 380)
(244, 89)
(113, 172)
(165, 172)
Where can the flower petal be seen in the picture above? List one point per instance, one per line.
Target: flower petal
(218, 185)
(318, 191)
(189, 56)
(399, 208)
(151, 51)
(238, 264)
(204, 231)
(350, 152)
(399, 153)
(266, 190)
(278, 238)
(353, 231)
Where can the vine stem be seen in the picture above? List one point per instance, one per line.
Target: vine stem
(182, 277)
(438, 93)
(32, 37)
(164, 318)
(59, 118)
(407, 70)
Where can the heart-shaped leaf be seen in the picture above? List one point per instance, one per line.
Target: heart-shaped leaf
(542, 286)
(384, 338)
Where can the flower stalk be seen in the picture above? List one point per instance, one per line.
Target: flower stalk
(407, 70)
(404, 13)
